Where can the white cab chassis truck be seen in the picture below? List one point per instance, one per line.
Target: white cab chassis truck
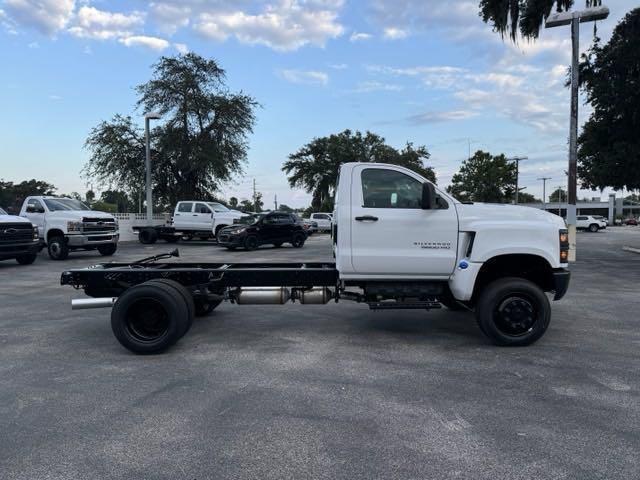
(399, 243)
(19, 239)
(191, 219)
(66, 224)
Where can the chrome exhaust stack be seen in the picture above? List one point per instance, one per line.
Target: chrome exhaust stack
(85, 303)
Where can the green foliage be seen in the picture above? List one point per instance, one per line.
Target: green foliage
(202, 142)
(90, 196)
(12, 194)
(559, 195)
(233, 202)
(508, 17)
(104, 207)
(315, 166)
(609, 145)
(524, 197)
(484, 178)
(119, 199)
(285, 208)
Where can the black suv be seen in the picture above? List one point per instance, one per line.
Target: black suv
(274, 228)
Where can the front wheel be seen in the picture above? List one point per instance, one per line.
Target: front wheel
(27, 259)
(513, 312)
(107, 250)
(58, 249)
(251, 242)
(298, 240)
(593, 228)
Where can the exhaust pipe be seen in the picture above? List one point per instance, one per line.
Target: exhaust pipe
(314, 296)
(262, 296)
(84, 303)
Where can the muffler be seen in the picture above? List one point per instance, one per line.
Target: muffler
(262, 295)
(84, 303)
(313, 296)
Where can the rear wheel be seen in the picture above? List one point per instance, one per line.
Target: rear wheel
(149, 318)
(147, 236)
(58, 249)
(184, 293)
(513, 312)
(107, 250)
(593, 228)
(298, 240)
(251, 242)
(27, 259)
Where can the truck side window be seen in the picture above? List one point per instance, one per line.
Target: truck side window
(383, 188)
(202, 208)
(185, 207)
(37, 206)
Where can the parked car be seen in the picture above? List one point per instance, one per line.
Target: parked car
(604, 219)
(631, 221)
(589, 222)
(324, 221)
(66, 224)
(274, 228)
(310, 227)
(19, 239)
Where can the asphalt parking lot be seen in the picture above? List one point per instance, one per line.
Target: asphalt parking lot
(336, 391)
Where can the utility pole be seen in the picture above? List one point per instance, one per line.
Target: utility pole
(560, 200)
(544, 192)
(517, 160)
(255, 207)
(147, 118)
(574, 19)
(275, 201)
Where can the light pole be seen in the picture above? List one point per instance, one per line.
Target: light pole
(517, 160)
(574, 18)
(544, 192)
(147, 165)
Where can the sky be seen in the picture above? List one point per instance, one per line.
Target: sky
(426, 72)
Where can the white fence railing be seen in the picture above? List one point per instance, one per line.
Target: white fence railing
(128, 220)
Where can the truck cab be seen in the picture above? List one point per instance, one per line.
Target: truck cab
(202, 218)
(19, 239)
(324, 220)
(66, 224)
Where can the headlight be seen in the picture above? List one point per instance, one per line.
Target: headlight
(74, 226)
(36, 235)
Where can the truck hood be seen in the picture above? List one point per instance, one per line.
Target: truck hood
(78, 215)
(471, 215)
(231, 214)
(12, 219)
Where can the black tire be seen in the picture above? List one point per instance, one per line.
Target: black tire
(205, 307)
(251, 242)
(448, 300)
(58, 248)
(149, 318)
(593, 228)
(148, 236)
(184, 293)
(26, 259)
(513, 312)
(107, 250)
(277, 244)
(298, 240)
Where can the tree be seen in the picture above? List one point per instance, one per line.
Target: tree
(90, 196)
(559, 195)
(508, 17)
(524, 197)
(285, 208)
(233, 202)
(609, 145)
(202, 142)
(246, 206)
(119, 199)
(12, 195)
(484, 178)
(316, 165)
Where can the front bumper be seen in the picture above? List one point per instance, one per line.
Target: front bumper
(561, 278)
(80, 240)
(230, 240)
(8, 251)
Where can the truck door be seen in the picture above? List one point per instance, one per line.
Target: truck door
(391, 234)
(35, 213)
(182, 217)
(202, 217)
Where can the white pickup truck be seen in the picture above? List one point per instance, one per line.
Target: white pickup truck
(191, 218)
(19, 239)
(399, 243)
(66, 224)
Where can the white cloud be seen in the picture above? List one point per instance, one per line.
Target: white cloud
(374, 86)
(307, 77)
(55, 98)
(181, 48)
(170, 17)
(153, 43)
(394, 33)
(339, 66)
(46, 16)
(102, 25)
(359, 36)
(286, 26)
(437, 117)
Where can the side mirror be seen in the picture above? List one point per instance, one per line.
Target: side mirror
(32, 209)
(428, 196)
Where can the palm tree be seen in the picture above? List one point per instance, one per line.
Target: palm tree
(524, 16)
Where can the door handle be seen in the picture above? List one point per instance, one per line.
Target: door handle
(367, 218)
(194, 215)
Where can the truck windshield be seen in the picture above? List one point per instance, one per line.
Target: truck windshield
(58, 204)
(2, 212)
(217, 207)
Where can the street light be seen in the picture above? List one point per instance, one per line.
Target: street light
(574, 18)
(544, 192)
(517, 160)
(147, 118)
